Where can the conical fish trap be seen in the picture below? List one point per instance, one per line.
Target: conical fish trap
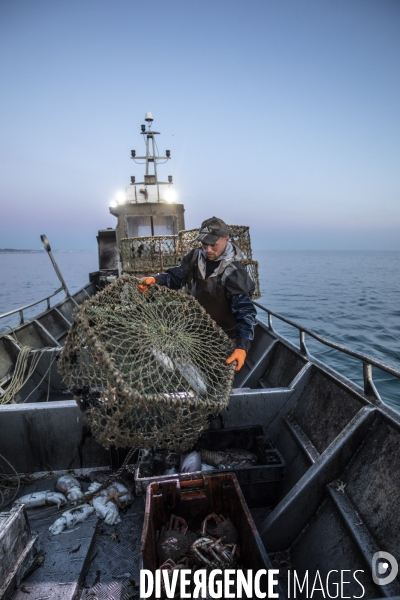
(146, 369)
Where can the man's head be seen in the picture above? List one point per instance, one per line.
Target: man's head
(214, 236)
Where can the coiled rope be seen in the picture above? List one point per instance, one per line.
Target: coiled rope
(22, 372)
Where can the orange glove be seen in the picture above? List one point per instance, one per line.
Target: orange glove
(144, 284)
(238, 355)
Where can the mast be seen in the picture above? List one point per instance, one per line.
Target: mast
(147, 209)
(151, 159)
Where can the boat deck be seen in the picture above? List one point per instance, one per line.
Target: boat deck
(93, 560)
(336, 507)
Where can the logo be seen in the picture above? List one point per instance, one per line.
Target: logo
(383, 563)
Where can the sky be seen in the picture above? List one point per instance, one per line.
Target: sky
(280, 114)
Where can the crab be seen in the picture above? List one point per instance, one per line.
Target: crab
(215, 554)
(174, 540)
(217, 520)
(177, 524)
(210, 550)
(169, 565)
(224, 529)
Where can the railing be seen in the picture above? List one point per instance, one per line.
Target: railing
(368, 361)
(21, 310)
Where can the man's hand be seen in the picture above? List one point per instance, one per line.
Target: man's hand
(144, 284)
(238, 355)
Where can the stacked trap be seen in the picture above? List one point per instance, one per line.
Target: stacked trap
(147, 370)
(144, 256)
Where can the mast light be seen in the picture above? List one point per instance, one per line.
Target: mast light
(169, 178)
(133, 179)
(168, 153)
(133, 153)
(143, 128)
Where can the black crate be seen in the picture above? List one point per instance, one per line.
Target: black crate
(259, 483)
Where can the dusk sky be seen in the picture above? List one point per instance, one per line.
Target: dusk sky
(280, 114)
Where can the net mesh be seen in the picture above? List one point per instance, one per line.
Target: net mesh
(144, 256)
(147, 255)
(239, 235)
(146, 369)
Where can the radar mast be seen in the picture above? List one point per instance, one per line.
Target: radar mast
(151, 159)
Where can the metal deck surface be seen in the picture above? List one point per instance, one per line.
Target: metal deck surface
(113, 569)
(91, 561)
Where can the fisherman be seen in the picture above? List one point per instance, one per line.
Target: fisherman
(220, 284)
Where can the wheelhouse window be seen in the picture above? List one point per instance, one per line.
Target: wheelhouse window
(152, 225)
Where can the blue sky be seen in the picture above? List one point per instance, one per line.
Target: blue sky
(280, 114)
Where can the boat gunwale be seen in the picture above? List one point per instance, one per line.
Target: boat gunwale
(367, 360)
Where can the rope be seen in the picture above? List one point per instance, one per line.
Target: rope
(22, 373)
(56, 350)
(7, 482)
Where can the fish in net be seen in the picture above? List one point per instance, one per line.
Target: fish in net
(147, 370)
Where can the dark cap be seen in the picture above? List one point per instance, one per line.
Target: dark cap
(211, 230)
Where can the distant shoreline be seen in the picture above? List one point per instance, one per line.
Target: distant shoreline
(41, 251)
(12, 250)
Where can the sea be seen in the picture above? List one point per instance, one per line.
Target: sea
(350, 297)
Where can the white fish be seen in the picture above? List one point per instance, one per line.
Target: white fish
(106, 510)
(179, 396)
(41, 499)
(93, 487)
(163, 359)
(190, 462)
(71, 517)
(197, 380)
(116, 491)
(70, 486)
(205, 467)
(171, 471)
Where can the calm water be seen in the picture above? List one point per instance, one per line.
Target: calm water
(350, 297)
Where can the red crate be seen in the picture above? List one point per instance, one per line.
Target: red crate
(193, 498)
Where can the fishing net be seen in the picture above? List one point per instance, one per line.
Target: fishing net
(147, 255)
(148, 369)
(239, 235)
(143, 256)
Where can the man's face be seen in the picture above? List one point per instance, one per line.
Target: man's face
(214, 251)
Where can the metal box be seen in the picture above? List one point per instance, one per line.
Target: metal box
(18, 549)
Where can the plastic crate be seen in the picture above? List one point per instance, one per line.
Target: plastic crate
(253, 480)
(193, 498)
